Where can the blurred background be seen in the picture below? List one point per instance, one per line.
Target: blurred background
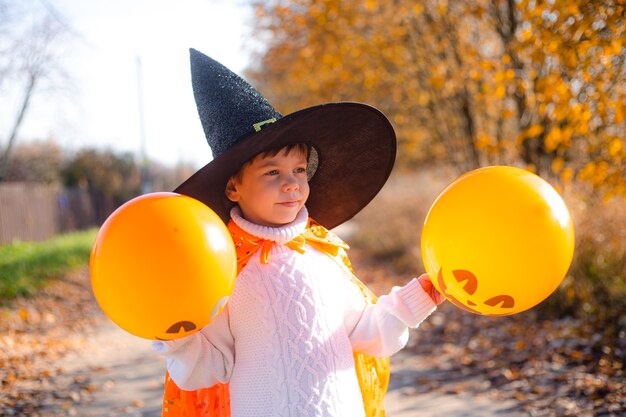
(96, 108)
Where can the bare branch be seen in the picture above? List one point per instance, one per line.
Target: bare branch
(29, 57)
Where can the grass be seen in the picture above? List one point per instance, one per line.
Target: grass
(25, 267)
(389, 231)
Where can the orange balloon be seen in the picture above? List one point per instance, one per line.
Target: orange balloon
(163, 266)
(497, 241)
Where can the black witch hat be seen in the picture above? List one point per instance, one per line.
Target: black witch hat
(355, 144)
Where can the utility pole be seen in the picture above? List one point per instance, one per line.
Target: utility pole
(146, 183)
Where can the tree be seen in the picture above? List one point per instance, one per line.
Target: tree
(29, 58)
(36, 162)
(534, 83)
(110, 179)
(570, 85)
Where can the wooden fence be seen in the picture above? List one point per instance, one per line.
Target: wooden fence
(35, 212)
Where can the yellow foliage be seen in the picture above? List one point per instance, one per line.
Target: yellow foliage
(437, 81)
(371, 5)
(582, 128)
(507, 113)
(483, 140)
(500, 91)
(525, 35)
(552, 94)
(619, 114)
(442, 7)
(616, 46)
(552, 141)
(423, 98)
(534, 130)
(587, 172)
(616, 147)
(486, 65)
(567, 174)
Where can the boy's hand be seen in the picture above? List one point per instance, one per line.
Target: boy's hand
(429, 288)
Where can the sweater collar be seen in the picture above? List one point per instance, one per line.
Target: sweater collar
(280, 235)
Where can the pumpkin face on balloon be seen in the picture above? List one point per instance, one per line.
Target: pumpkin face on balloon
(497, 241)
(163, 266)
(184, 328)
(462, 291)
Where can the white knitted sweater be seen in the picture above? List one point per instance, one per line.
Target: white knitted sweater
(286, 338)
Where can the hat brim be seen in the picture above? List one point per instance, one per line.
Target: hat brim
(356, 147)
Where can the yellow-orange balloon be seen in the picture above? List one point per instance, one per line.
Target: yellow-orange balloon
(497, 241)
(163, 266)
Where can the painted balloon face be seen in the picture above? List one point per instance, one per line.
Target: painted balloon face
(497, 241)
(179, 329)
(185, 328)
(163, 266)
(466, 284)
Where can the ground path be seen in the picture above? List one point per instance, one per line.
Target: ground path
(59, 356)
(116, 374)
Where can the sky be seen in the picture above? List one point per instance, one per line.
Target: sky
(102, 110)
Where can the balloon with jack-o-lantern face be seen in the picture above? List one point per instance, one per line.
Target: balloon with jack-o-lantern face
(497, 241)
(163, 266)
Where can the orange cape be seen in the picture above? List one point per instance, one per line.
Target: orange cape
(372, 373)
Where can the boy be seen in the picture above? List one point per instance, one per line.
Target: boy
(297, 335)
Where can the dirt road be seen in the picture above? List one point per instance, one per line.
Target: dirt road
(116, 374)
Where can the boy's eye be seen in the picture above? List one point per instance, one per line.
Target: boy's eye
(272, 172)
(300, 170)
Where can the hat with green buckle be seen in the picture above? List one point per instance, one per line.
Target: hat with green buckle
(353, 144)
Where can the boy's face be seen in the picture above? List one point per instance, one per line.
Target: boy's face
(271, 190)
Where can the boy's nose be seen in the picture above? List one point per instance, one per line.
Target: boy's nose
(291, 184)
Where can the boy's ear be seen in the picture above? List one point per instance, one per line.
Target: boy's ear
(231, 191)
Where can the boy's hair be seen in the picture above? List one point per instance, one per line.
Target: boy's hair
(298, 147)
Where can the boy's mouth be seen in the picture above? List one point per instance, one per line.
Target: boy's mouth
(289, 203)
